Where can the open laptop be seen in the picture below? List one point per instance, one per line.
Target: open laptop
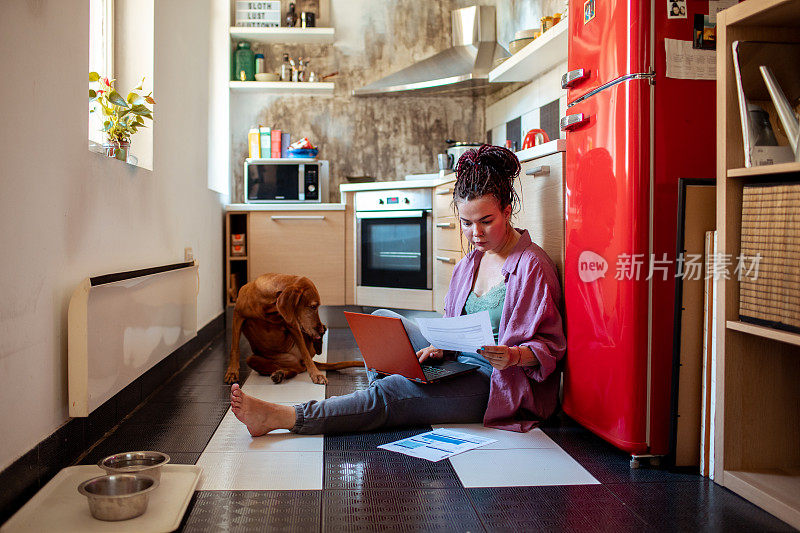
(386, 348)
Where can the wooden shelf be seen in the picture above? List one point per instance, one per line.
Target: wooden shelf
(775, 490)
(767, 333)
(283, 35)
(766, 170)
(540, 55)
(284, 87)
(769, 13)
(756, 421)
(238, 258)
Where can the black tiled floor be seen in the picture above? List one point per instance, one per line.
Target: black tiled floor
(367, 489)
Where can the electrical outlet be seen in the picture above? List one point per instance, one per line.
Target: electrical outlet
(188, 255)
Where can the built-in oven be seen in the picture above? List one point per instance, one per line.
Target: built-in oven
(291, 180)
(393, 235)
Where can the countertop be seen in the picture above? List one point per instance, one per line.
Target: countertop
(285, 207)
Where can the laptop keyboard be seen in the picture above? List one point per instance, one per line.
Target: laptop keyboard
(433, 372)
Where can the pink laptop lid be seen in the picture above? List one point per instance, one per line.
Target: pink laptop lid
(385, 345)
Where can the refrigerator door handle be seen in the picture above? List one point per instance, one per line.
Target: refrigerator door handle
(570, 122)
(572, 77)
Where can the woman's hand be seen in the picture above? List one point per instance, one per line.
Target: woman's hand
(430, 352)
(500, 357)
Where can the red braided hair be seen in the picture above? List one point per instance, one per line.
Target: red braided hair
(487, 170)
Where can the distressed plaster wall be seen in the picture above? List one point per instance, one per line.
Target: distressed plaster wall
(385, 137)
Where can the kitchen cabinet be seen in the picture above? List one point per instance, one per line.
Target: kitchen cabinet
(541, 189)
(447, 249)
(757, 423)
(301, 241)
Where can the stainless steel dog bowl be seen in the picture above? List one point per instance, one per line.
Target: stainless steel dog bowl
(118, 496)
(148, 463)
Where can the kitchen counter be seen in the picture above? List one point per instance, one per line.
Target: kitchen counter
(310, 206)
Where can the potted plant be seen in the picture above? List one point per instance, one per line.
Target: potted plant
(122, 116)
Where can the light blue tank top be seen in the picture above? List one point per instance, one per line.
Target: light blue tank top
(491, 301)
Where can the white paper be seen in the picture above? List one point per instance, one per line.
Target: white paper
(437, 445)
(715, 6)
(465, 333)
(687, 63)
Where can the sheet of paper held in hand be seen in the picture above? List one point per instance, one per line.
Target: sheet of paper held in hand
(465, 333)
(437, 444)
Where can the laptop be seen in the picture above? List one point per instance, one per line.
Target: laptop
(386, 348)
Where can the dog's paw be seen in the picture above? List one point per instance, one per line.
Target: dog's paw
(231, 376)
(277, 376)
(319, 379)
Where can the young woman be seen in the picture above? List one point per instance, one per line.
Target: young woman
(505, 273)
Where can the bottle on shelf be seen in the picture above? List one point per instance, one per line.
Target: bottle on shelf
(291, 16)
(286, 69)
(260, 63)
(244, 62)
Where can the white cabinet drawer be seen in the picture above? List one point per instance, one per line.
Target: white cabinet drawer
(447, 234)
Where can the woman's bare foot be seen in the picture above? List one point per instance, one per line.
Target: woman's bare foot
(259, 416)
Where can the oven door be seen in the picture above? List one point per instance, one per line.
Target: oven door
(394, 249)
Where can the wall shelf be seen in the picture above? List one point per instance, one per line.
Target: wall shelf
(537, 57)
(780, 168)
(283, 35)
(284, 87)
(767, 333)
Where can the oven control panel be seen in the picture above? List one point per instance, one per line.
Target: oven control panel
(394, 200)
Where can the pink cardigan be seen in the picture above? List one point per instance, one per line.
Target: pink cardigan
(520, 397)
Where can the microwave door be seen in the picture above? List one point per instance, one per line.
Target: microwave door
(272, 182)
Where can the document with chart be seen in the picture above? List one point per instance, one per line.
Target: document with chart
(437, 444)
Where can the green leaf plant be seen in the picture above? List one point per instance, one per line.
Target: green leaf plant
(122, 116)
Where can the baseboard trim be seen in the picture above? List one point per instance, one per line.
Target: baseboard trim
(25, 476)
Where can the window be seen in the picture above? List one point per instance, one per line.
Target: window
(101, 54)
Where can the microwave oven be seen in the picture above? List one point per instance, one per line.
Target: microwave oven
(285, 180)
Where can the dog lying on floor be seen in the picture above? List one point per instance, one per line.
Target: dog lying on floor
(279, 316)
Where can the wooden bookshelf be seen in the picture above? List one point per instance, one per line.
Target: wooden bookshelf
(757, 420)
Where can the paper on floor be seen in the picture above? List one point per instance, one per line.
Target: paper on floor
(437, 445)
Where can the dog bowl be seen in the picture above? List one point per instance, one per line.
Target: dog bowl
(148, 463)
(118, 496)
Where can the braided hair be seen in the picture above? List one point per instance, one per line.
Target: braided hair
(487, 170)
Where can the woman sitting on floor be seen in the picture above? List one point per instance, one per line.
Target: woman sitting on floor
(505, 273)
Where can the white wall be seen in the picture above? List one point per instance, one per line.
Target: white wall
(67, 213)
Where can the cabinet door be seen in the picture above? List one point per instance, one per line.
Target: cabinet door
(444, 261)
(541, 189)
(303, 243)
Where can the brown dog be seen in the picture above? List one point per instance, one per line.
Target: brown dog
(279, 315)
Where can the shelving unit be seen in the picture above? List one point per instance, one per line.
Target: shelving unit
(540, 55)
(757, 421)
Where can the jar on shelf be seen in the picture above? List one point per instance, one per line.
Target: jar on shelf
(244, 61)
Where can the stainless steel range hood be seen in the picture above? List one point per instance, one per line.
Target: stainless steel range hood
(462, 69)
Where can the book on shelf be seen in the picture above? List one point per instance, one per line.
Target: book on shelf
(764, 141)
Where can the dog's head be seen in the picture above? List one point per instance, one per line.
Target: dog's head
(298, 304)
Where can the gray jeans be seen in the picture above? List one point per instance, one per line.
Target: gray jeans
(396, 401)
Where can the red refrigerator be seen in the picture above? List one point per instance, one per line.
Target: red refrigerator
(631, 134)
